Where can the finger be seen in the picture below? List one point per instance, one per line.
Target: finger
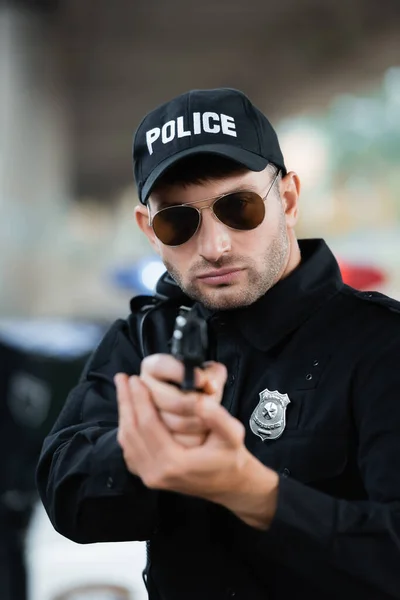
(148, 420)
(127, 432)
(166, 368)
(190, 440)
(126, 411)
(215, 375)
(220, 422)
(169, 398)
(179, 424)
(163, 367)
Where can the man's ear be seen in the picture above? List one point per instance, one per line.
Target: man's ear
(142, 219)
(290, 192)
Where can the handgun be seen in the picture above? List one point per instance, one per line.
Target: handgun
(189, 343)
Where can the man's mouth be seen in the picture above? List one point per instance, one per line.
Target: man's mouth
(220, 276)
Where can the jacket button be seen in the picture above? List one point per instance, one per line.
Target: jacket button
(315, 363)
(110, 482)
(230, 593)
(309, 377)
(285, 472)
(231, 379)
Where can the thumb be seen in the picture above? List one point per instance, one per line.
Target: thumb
(220, 422)
(214, 377)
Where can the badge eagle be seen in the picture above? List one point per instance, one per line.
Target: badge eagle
(268, 419)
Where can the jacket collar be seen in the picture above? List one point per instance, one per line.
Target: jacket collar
(290, 302)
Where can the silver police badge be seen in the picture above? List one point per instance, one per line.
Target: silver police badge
(268, 420)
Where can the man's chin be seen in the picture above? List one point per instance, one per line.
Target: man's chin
(223, 298)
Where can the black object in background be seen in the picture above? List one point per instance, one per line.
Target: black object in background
(40, 361)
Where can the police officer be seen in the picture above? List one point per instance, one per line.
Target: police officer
(279, 475)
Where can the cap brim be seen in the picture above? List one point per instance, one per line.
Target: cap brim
(251, 161)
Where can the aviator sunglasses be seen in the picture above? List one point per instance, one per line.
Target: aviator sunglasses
(242, 210)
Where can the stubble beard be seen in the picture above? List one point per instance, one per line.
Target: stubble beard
(258, 281)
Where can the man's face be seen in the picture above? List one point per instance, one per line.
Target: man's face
(220, 267)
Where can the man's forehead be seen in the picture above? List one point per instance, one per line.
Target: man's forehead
(180, 194)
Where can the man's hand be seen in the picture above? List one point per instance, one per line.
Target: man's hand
(177, 408)
(221, 469)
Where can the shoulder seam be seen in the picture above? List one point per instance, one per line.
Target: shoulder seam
(372, 298)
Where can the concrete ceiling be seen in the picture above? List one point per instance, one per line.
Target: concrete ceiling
(122, 58)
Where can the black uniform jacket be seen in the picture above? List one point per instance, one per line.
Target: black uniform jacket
(335, 352)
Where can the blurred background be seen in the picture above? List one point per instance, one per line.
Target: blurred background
(77, 76)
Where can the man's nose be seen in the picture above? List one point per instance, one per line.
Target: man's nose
(214, 238)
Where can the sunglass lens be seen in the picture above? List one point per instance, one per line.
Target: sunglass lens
(176, 225)
(241, 210)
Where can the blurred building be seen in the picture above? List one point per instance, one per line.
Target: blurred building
(79, 76)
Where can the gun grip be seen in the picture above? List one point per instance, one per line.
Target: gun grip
(188, 379)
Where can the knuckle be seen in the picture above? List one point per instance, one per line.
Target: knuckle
(150, 363)
(171, 473)
(151, 480)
